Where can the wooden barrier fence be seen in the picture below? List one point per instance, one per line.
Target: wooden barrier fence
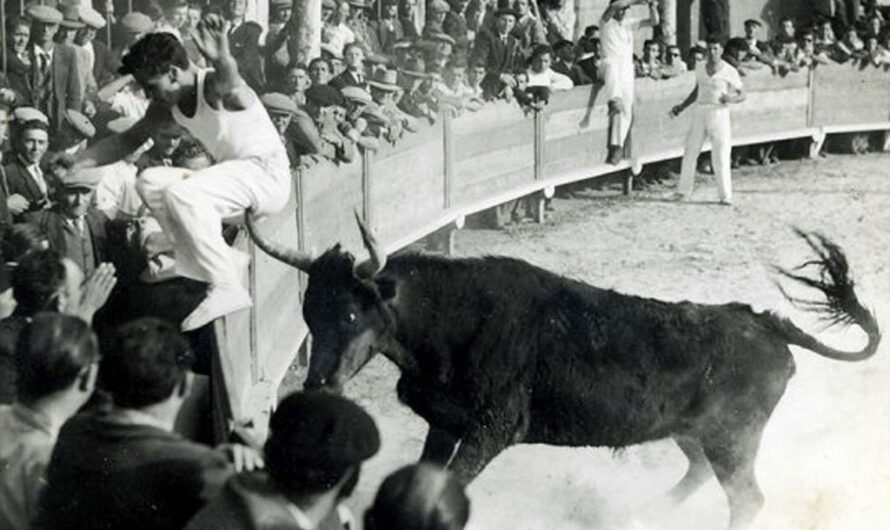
(434, 178)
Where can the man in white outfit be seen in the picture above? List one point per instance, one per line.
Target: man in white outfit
(717, 85)
(617, 44)
(251, 173)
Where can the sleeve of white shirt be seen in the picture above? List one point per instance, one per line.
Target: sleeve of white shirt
(734, 79)
(560, 81)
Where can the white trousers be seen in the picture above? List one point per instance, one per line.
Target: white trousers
(191, 205)
(708, 122)
(619, 84)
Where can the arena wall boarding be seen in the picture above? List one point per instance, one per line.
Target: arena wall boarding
(434, 178)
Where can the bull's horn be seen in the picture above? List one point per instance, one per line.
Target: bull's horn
(377, 260)
(294, 258)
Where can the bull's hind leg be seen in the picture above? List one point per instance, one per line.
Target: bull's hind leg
(698, 473)
(439, 446)
(732, 457)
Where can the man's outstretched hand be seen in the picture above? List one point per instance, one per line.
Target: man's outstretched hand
(212, 37)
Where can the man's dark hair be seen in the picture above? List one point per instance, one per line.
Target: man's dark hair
(316, 440)
(714, 38)
(52, 350)
(189, 149)
(153, 55)
(318, 60)
(539, 50)
(145, 361)
(36, 281)
(19, 127)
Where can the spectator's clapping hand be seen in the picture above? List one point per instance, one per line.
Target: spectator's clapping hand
(243, 458)
(17, 204)
(89, 109)
(95, 291)
(508, 80)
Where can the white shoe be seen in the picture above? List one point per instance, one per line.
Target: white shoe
(220, 301)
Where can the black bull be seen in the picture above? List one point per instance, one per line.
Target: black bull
(494, 351)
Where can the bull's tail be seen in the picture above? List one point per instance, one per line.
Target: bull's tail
(840, 306)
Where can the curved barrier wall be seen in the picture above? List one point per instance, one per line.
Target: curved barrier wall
(455, 167)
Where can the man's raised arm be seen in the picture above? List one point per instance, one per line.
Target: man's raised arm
(212, 38)
(618, 5)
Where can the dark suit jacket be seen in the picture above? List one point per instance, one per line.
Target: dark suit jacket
(21, 182)
(109, 474)
(67, 86)
(385, 37)
(345, 79)
(19, 75)
(245, 46)
(573, 72)
(105, 65)
(250, 502)
(52, 224)
(455, 25)
(5, 215)
(499, 58)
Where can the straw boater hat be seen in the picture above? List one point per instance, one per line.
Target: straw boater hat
(136, 22)
(384, 79)
(415, 68)
(71, 18)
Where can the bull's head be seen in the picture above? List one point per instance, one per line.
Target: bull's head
(345, 307)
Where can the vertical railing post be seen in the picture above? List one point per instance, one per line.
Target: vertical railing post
(366, 188)
(448, 152)
(300, 205)
(539, 145)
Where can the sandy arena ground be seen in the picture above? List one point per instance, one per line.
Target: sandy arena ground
(824, 463)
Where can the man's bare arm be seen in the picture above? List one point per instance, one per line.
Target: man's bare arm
(226, 84)
(619, 5)
(117, 146)
(690, 99)
(654, 15)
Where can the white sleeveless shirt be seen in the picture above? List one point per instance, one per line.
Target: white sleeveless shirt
(233, 134)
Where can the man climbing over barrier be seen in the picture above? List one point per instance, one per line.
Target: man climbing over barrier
(617, 43)
(251, 172)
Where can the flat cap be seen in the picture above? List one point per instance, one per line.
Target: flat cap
(439, 36)
(439, 6)
(324, 96)
(358, 3)
(281, 3)
(318, 430)
(277, 102)
(753, 22)
(136, 22)
(330, 4)
(91, 17)
(45, 14)
(80, 123)
(26, 114)
(506, 11)
(354, 93)
(72, 180)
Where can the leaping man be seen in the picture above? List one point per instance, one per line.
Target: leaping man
(251, 167)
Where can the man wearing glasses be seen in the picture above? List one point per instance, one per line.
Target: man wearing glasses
(673, 62)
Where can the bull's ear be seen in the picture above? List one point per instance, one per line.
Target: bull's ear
(386, 287)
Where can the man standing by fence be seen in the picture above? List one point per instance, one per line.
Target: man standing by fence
(617, 43)
(717, 85)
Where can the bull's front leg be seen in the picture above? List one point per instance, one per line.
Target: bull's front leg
(494, 429)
